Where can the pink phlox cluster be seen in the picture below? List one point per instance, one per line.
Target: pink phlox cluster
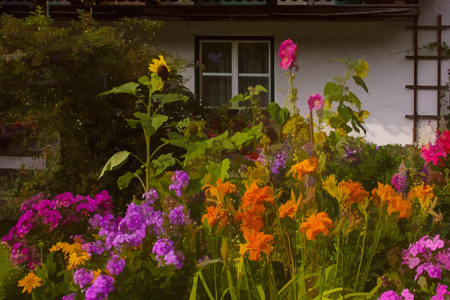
(288, 55)
(441, 291)
(115, 265)
(434, 152)
(150, 196)
(49, 214)
(424, 256)
(391, 295)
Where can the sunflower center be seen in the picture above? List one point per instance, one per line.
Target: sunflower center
(163, 72)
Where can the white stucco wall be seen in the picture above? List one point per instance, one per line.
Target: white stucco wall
(376, 42)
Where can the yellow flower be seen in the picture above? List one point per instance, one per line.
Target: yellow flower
(57, 247)
(30, 282)
(72, 248)
(330, 185)
(342, 131)
(361, 115)
(77, 258)
(160, 68)
(362, 68)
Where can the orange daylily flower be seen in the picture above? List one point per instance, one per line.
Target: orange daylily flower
(357, 193)
(291, 206)
(305, 167)
(255, 197)
(250, 220)
(256, 242)
(219, 190)
(382, 194)
(398, 204)
(316, 224)
(215, 215)
(422, 192)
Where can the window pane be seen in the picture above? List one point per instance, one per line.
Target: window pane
(216, 89)
(253, 58)
(216, 57)
(245, 82)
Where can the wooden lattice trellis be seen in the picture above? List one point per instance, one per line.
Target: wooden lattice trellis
(439, 58)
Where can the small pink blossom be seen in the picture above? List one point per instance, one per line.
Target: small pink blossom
(315, 101)
(288, 55)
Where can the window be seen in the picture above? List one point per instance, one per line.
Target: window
(229, 66)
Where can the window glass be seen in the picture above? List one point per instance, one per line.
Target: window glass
(216, 57)
(230, 67)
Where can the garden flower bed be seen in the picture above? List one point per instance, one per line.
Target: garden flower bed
(288, 206)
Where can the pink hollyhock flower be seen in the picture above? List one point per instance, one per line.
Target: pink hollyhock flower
(288, 54)
(315, 101)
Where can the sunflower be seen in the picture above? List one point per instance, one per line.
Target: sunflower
(30, 282)
(362, 68)
(160, 68)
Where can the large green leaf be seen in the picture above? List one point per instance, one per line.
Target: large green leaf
(127, 88)
(239, 98)
(215, 170)
(358, 80)
(329, 88)
(280, 115)
(144, 80)
(260, 88)
(177, 139)
(124, 180)
(353, 99)
(346, 113)
(162, 163)
(167, 98)
(150, 125)
(224, 169)
(352, 64)
(115, 162)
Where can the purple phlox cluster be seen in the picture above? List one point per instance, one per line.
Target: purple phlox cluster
(391, 295)
(176, 216)
(69, 297)
(257, 157)
(150, 196)
(139, 221)
(180, 179)
(308, 148)
(115, 265)
(83, 277)
(441, 291)
(399, 180)
(352, 153)
(100, 289)
(279, 161)
(438, 150)
(421, 255)
(430, 176)
(21, 253)
(96, 247)
(166, 254)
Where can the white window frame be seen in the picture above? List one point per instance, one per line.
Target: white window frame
(235, 67)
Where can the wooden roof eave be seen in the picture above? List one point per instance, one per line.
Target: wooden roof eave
(233, 12)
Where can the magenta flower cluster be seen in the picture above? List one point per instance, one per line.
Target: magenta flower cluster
(166, 254)
(399, 180)
(45, 214)
(423, 257)
(391, 295)
(180, 180)
(437, 151)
